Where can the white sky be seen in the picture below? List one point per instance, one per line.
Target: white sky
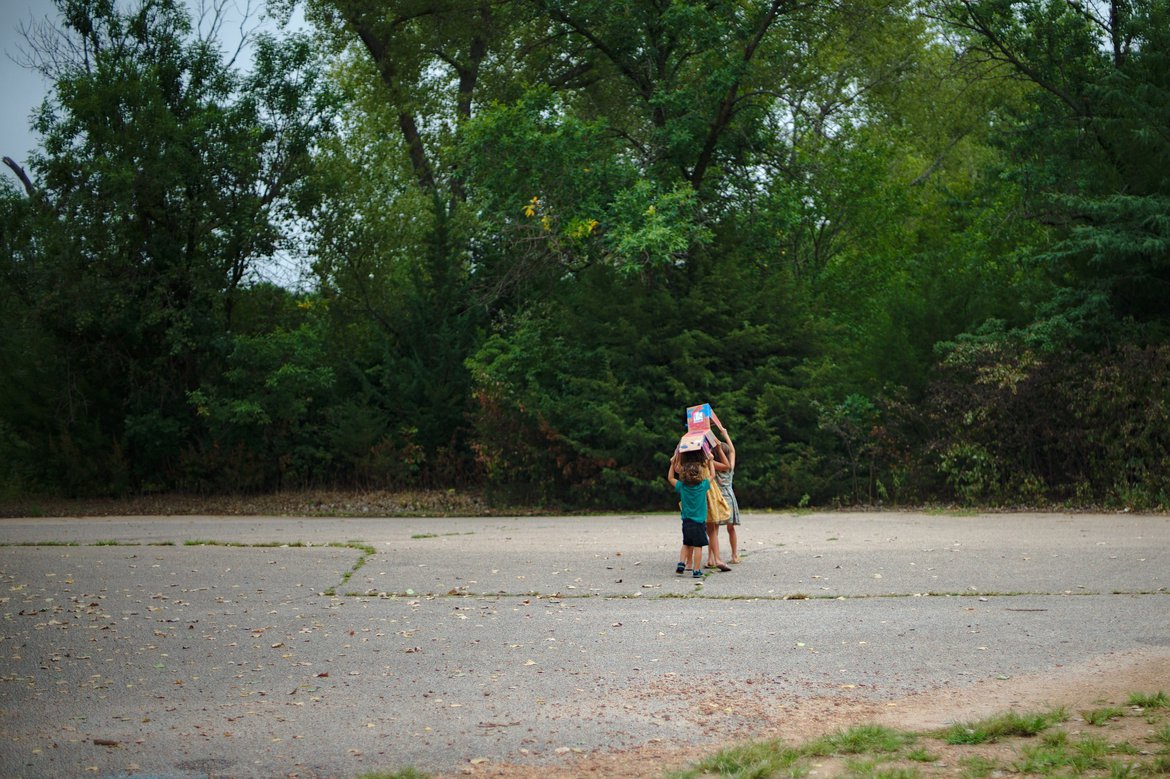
(22, 90)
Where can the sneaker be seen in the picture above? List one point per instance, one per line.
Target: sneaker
(697, 574)
(681, 568)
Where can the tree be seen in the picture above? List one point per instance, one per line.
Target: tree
(1090, 148)
(165, 178)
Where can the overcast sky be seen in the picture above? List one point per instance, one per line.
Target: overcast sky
(23, 89)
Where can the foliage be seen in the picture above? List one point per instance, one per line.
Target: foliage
(999, 726)
(582, 399)
(1090, 148)
(1014, 425)
(1029, 744)
(164, 180)
(264, 416)
(910, 251)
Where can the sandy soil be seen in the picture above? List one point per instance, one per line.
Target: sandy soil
(1101, 682)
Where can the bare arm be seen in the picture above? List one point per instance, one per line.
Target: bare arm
(720, 460)
(730, 457)
(670, 470)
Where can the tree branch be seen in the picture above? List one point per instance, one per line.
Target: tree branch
(726, 107)
(29, 187)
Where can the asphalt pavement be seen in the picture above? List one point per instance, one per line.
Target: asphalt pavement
(309, 647)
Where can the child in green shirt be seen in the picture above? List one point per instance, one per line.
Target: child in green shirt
(692, 491)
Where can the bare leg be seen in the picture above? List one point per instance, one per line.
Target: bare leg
(713, 557)
(734, 543)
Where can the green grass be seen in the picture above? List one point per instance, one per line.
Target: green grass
(863, 739)
(921, 755)
(1100, 716)
(1001, 726)
(1158, 700)
(978, 767)
(1025, 744)
(1076, 757)
(749, 761)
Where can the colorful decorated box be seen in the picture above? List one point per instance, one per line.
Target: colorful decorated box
(699, 418)
(698, 436)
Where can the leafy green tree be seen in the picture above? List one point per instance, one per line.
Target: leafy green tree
(1090, 146)
(267, 413)
(696, 146)
(164, 180)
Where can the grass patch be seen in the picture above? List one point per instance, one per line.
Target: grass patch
(1077, 757)
(759, 759)
(1101, 716)
(1029, 745)
(1157, 700)
(920, 755)
(977, 767)
(1161, 736)
(1001, 726)
(863, 739)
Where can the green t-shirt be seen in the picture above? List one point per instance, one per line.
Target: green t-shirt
(693, 499)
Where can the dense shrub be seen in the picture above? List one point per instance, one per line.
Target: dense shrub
(1013, 426)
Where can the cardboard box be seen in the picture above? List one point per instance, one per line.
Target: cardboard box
(701, 440)
(699, 436)
(699, 418)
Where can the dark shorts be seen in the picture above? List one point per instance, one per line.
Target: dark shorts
(694, 533)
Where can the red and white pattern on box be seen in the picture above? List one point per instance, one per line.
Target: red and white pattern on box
(699, 418)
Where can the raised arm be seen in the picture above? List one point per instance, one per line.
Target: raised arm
(719, 459)
(730, 446)
(673, 467)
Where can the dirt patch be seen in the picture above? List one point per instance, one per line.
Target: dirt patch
(1104, 681)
